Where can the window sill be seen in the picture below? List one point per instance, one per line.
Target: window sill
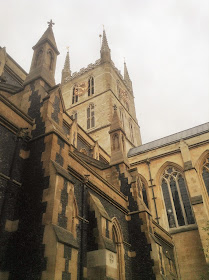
(183, 229)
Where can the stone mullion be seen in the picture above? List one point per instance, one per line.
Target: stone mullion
(172, 203)
(181, 201)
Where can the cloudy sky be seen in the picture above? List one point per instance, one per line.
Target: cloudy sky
(165, 44)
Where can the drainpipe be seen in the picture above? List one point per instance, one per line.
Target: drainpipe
(152, 188)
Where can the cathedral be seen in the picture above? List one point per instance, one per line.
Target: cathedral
(80, 196)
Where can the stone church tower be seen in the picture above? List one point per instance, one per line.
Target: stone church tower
(91, 93)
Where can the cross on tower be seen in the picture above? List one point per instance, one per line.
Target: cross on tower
(50, 23)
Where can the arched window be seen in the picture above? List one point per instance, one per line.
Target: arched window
(117, 239)
(38, 58)
(90, 86)
(50, 59)
(75, 94)
(142, 191)
(131, 131)
(115, 139)
(205, 173)
(90, 116)
(176, 198)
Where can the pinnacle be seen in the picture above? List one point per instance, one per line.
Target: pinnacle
(126, 75)
(116, 123)
(104, 42)
(67, 63)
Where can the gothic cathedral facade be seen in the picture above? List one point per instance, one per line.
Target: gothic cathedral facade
(80, 196)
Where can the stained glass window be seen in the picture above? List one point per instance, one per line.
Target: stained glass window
(176, 198)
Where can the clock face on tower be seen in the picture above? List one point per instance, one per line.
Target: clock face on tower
(81, 88)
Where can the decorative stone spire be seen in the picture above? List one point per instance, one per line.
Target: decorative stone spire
(66, 73)
(117, 141)
(44, 58)
(105, 50)
(126, 76)
(48, 36)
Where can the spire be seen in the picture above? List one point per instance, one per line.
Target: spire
(126, 76)
(105, 50)
(66, 73)
(43, 64)
(48, 36)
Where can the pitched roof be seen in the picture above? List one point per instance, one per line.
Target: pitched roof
(185, 134)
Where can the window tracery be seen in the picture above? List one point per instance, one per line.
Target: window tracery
(176, 198)
(90, 116)
(205, 173)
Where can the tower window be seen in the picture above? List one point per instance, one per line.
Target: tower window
(122, 118)
(90, 116)
(50, 59)
(38, 58)
(176, 198)
(205, 174)
(131, 132)
(90, 86)
(75, 95)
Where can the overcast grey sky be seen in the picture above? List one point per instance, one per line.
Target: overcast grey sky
(165, 43)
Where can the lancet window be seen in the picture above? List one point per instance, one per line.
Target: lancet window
(90, 86)
(38, 58)
(122, 117)
(115, 141)
(205, 173)
(117, 239)
(131, 131)
(90, 116)
(75, 95)
(50, 59)
(176, 198)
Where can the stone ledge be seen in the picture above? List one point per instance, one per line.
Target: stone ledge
(196, 199)
(183, 229)
(66, 237)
